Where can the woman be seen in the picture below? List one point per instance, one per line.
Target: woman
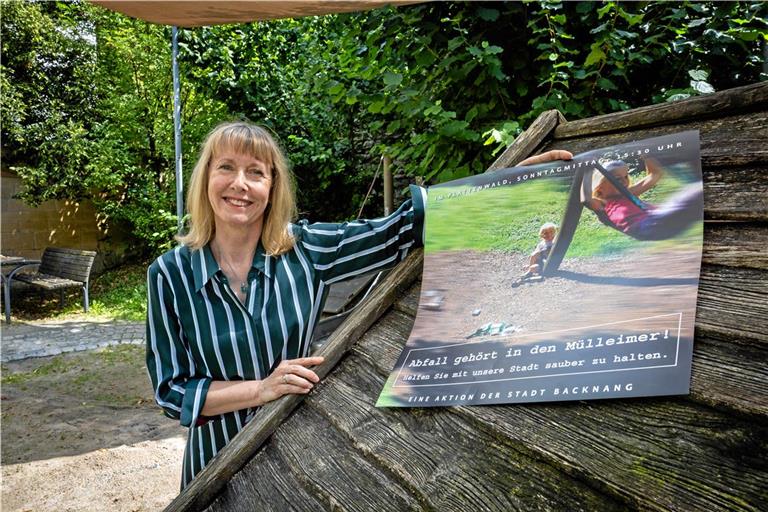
(651, 221)
(231, 311)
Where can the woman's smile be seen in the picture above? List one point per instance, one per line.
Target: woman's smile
(238, 189)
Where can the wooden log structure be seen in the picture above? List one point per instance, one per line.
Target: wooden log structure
(333, 450)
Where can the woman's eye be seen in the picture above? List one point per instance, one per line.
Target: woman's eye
(225, 167)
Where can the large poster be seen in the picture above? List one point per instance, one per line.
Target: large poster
(568, 280)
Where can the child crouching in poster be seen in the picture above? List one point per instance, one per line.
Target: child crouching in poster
(538, 257)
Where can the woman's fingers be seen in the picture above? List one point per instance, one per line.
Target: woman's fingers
(291, 380)
(293, 375)
(554, 154)
(303, 361)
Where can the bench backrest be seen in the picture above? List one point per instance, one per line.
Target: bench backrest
(71, 264)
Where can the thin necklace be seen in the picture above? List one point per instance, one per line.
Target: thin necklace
(243, 284)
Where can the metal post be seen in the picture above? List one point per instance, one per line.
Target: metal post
(389, 205)
(177, 129)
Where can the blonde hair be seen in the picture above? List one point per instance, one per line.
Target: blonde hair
(250, 139)
(546, 226)
(598, 178)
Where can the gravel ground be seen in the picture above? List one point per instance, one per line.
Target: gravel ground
(81, 431)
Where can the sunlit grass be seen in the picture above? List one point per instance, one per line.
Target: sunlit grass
(474, 221)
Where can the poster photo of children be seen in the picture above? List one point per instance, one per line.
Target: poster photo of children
(568, 280)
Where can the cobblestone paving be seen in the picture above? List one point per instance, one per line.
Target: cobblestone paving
(21, 340)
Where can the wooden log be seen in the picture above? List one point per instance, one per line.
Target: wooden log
(656, 454)
(442, 458)
(529, 140)
(227, 462)
(748, 97)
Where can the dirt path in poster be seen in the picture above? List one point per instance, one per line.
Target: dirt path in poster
(566, 300)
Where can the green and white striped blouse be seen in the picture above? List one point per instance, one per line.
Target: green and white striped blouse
(198, 331)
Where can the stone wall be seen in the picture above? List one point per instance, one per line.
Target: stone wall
(27, 231)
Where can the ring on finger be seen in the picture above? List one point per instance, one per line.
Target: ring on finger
(285, 378)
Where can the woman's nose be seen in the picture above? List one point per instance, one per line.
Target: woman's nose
(238, 180)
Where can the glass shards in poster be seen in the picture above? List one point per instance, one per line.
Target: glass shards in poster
(568, 280)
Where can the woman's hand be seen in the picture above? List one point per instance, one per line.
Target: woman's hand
(291, 377)
(554, 154)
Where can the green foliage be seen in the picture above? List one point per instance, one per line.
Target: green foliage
(89, 114)
(441, 87)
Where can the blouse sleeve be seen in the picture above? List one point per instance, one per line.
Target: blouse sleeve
(342, 251)
(171, 367)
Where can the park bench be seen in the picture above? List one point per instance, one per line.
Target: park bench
(61, 268)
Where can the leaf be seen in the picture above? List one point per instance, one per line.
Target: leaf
(392, 79)
(424, 58)
(606, 84)
(595, 56)
(702, 87)
(698, 74)
(677, 97)
(488, 14)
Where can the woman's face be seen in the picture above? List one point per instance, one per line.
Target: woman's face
(238, 189)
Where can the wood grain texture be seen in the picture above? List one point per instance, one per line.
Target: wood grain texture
(733, 303)
(267, 493)
(730, 141)
(739, 98)
(730, 376)
(655, 454)
(736, 245)
(736, 193)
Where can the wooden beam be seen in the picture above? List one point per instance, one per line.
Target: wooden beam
(748, 96)
(207, 484)
(529, 140)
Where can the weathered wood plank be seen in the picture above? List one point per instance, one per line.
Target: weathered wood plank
(733, 303)
(736, 193)
(656, 454)
(267, 493)
(736, 245)
(317, 460)
(442, 457)
(737, 99)
(737, 140)
(730, 376)
(214, 476)
(408, 303)
(726, 141)
(529, 140)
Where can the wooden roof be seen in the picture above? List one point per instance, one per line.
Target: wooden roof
(199, 13)
(706, 451)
